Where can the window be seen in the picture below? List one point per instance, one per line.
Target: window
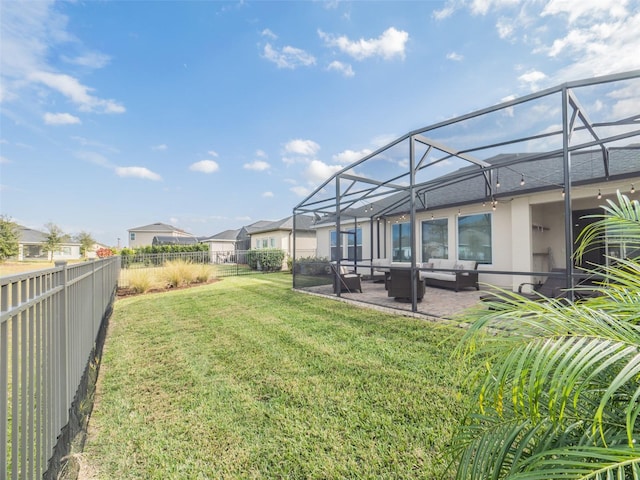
(272, 242)
(401, 242)
(132, 236)
(351, 245)
(435, 239)
(354, 244)
(474, 238)
(257, 244)
(333, 243)
(265, 243)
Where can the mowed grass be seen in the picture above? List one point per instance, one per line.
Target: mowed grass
(246, 378)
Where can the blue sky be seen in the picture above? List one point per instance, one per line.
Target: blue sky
(212, 115)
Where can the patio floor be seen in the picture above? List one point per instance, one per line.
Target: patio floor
(438, 303)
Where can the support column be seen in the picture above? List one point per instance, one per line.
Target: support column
(522, 241)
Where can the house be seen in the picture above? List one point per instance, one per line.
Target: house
(279, 234)
(31, 246)
(509, 187)
(263, 234)
(223, 246)
(520, 230)
(143, 236)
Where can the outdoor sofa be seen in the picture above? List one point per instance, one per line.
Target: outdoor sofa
(461, 274)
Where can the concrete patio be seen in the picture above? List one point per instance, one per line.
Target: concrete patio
(438, 303)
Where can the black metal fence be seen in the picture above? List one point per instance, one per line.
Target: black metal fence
(222, 263)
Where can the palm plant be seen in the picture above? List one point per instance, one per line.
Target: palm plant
(558, 388)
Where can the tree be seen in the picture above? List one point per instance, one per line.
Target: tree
(9, 239)
(86, 242)
(55, 237)
(557, 394)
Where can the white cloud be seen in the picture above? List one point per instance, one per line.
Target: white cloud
(318, 171)
(444, 12)
(213, 153)
(261, 154)
(4, 160)
(532, 79)
(268, 33)
(509, 111)
(268, 195)
(343, 68)
(60, 119)
(391, 43)
(32, 33)
(482, 7)
(137, 172)
(95, 158)
(160, 148)
(257, 165)
(347, 157)
(586, 8)
(79, 94)
(302, 147)
(288, 57)
(300, 190)
(204, 166)
(456, 57)
(505, 28)
(90, 59)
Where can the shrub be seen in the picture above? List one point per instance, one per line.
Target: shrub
(312, 266)
(178, 272)
(201, 273)
(267, 260)
(140, 281)
(104, 252)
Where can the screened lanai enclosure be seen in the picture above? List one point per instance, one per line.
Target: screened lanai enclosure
(498, 195)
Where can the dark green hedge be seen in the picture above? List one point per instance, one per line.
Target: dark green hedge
(267, 260)
(198, 247)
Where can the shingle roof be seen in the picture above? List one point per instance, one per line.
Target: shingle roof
(303, 222)
(227, 235)
(157, 227)
(544, 173)
(31, 236)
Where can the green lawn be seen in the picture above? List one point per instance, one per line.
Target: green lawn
(246, 378)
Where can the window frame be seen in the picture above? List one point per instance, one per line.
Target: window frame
(445, 245)
(406, 257)
(480, 261)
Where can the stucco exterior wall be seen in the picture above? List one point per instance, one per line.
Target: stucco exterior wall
(528, 232)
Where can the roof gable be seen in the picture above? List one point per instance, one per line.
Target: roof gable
(158, 227)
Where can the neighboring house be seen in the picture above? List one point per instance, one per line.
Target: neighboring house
(31, 246)
(279, 235)
(223, 246)
(228, 245)
(91, 253)
(143, 236)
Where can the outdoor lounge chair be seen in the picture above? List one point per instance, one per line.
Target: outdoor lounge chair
(553, 287)
(399, 285)
(345, 281)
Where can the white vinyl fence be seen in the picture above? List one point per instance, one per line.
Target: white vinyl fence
(49, 321)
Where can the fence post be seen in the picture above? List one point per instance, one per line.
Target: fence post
(64, 356)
